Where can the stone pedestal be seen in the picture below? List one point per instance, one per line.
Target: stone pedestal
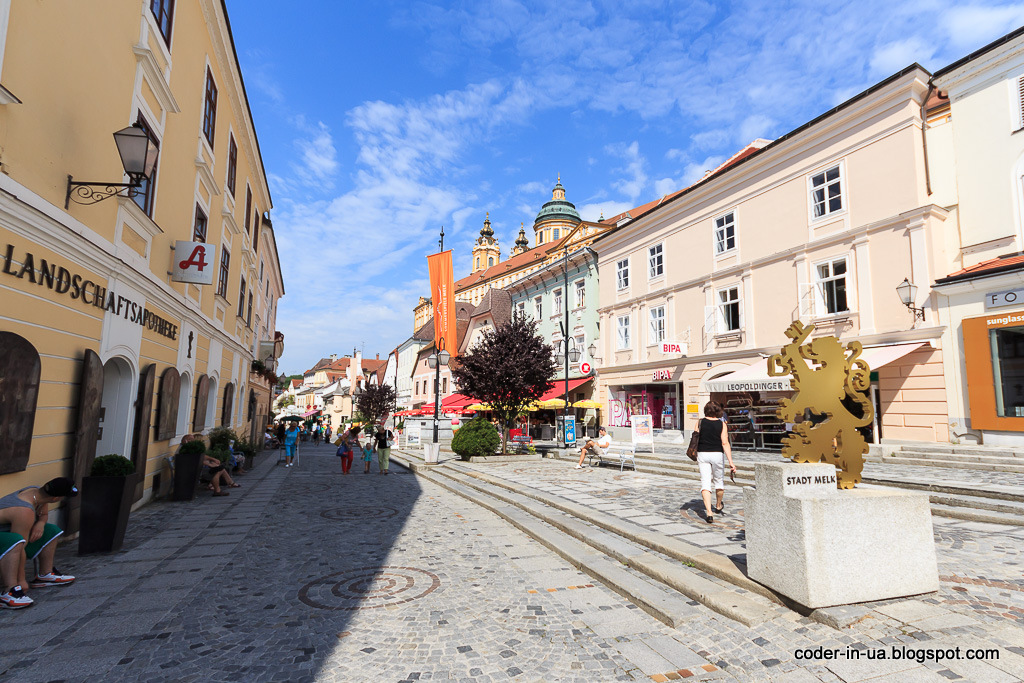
(824, 547)
(431, 451)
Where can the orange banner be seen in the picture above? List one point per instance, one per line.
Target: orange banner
(442, 293)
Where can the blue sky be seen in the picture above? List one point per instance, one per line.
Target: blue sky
(381, 121)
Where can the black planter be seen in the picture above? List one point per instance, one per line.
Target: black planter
(106, 504)
(187, 467)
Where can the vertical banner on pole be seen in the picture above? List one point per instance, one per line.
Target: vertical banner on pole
(442, 292)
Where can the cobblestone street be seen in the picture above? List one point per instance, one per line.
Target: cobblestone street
(304, 575)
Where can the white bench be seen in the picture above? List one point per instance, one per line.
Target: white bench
(617, 451)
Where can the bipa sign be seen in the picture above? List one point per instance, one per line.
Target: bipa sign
(659, 375)
(194, 262)
(673, 348)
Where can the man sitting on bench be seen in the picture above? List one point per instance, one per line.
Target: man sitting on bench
(598, 447)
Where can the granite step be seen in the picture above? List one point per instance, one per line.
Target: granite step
(900, 459)
(976, 503)
(996, 451)
(973, 515)
(929, 456)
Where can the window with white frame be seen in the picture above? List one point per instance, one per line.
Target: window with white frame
(521, 309)
(826, 192)
(622, 329)
(655, 261)
(729, 309)
(725, 233)
(830, 278)
(538, 307)
(581, 293)
(557, 300)
(622, 274)
(554, 234)
(657, 325)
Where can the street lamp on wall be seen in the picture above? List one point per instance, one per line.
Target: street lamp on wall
(138, 156)
(908, 295)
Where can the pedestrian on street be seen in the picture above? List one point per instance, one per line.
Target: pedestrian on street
(712, 450)
(368, 450)
(316, 435)
(327, 434)
(348, 442)
(291, 437)
(384, 438)
(280, 434)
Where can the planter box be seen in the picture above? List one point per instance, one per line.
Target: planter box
(106, 504)
(187, 467)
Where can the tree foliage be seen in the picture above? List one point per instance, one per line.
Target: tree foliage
(475, 438)
(509, 369)
(376, 402)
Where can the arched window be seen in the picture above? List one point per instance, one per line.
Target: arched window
(490, 261)
(19, 375)
(184, 402)
(116, 409)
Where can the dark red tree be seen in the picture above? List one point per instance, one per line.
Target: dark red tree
(376, 402)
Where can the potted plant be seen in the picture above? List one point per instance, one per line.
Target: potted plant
(188, 463)
(107, 495)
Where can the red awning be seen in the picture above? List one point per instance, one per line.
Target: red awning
(455, 401)
(312, 412)
(558, 391)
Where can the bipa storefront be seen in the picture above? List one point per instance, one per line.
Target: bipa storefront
(656, 392)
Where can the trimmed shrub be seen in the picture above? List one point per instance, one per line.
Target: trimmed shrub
(197, 446)
(221, 438)
(478, 437)
(221, 454)
(246, 448)
(111, 465)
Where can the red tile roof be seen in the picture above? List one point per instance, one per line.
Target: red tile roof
(528, 257)
(1002, 264)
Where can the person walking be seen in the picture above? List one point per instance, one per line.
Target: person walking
(348, 442)
(712, 450)
(368, 450)
(291, 437)
(280, 433)
(316, 434)
(384, 438)
(327, 434)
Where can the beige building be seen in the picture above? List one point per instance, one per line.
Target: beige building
(820, 226)
(126, 359)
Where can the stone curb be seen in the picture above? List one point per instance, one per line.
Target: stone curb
(724, 601)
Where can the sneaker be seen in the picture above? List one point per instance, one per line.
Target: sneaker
(54, 578)
(15, 599)
(579, 467)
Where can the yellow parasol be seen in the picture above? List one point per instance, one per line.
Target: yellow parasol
(478, 406)
(552, 403)
(587, 403)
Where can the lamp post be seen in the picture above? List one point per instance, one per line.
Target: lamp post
(435, 361)
(570, 354)
(138, 157)
(907, 291)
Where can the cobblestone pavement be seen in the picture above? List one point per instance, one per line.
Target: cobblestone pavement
(303, 575)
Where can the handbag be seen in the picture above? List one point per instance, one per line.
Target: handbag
(691, 450)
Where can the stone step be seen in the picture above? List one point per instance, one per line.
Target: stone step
(929, 456)
(948, 449)
(899, 459)
(652, 583)
(958, 512)
(1013, 508)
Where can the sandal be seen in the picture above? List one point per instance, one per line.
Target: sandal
(710, 518)
(235, 486)
(221, 493)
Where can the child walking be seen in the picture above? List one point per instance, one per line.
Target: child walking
(368, 453)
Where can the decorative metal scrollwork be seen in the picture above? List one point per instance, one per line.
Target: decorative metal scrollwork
(93, 193)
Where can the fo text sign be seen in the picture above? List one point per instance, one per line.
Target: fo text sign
(194, 262)
(1014, 297)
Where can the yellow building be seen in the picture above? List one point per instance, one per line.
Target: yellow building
(126, 359)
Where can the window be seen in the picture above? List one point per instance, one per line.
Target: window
(490, 261)
(657, 325)
(581, 293)
(1007, 345)
(725, 233)
(444, 385)
(261, 276)
(622, 338)
(538, 308)
(199, 231)
(147, 186)
(163, 11)
(248, 209)
(478, 263)
(255, 229)
(831, 281)
(1020, 103)
(417, 387)
(210, 109)
(521, 309)
(729, 310)
(232, 163)
(556, 303)
(655, 262)
(540, 237)
(248, 311)
(622, 274)
(554, 234)
(225, 268)
(826, 192)
(241, 298)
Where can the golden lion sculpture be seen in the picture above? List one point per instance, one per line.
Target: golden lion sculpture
(832, 389)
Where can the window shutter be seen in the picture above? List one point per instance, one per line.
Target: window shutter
(1020, 102)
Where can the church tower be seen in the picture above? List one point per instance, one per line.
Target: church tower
(522, 244)
(556, 218)
(486, 252)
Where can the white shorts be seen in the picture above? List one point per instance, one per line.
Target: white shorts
(712, 470)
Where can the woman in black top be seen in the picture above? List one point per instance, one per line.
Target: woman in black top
(712, 449)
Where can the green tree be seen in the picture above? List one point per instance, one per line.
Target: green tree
(508, 369)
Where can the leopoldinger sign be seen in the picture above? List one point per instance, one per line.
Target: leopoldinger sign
(194, 262)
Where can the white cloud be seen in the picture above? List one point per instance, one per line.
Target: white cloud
(890, 58)
(694, 172)
(753, 127)
(593, 211)
(634, 178)
(667, 186)
(318, 157)
(970, 26)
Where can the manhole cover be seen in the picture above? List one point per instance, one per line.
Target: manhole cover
(369, 588)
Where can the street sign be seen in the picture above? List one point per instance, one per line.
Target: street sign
(194, 262)
(586, 368)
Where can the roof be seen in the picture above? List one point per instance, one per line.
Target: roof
(498, 303)
(1002, 264)
(979, 52)
(527, 258)
(461, 327)
(374, 364)
(296, 382)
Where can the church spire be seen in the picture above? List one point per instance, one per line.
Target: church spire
(522, 244)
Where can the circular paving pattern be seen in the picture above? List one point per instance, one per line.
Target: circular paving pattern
(360, 513)
(369, 588)
(307, 488)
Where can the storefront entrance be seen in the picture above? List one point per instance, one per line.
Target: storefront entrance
(661, 401)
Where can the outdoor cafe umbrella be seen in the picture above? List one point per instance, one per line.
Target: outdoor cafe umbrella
(552, 403)
(478, 406)
(291, 418)
(587, 403)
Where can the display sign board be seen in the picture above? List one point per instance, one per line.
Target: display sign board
(643, 429)
(194, 262)
(570, 430)
(673, 348)
(412, 435)
(660, 375)
(1014, 297)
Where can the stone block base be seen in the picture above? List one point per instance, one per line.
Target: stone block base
(823, 547)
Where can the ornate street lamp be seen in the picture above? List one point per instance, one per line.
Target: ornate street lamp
(435, 362)
(908, 295)
(138, 156)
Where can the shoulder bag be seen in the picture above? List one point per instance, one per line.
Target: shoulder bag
(691, 450)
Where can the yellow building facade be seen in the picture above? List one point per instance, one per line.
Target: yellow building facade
(128, 359)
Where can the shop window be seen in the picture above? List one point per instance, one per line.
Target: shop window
(222, 276)
(729, 310)
(622, 332)
(826, 192)
(163, 12)
(831, 287)
(622, 274)
(725, 233)
(538, 307)
(1008, 370)
(581, 293)
(210, 108)
(147, 186)
(232, 163)
(199, 231)
(655, 261)
(657, 325)
(557, 301)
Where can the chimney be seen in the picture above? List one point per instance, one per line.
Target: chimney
(334, 357)
(378, 356)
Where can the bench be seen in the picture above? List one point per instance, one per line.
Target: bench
(617, 451)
